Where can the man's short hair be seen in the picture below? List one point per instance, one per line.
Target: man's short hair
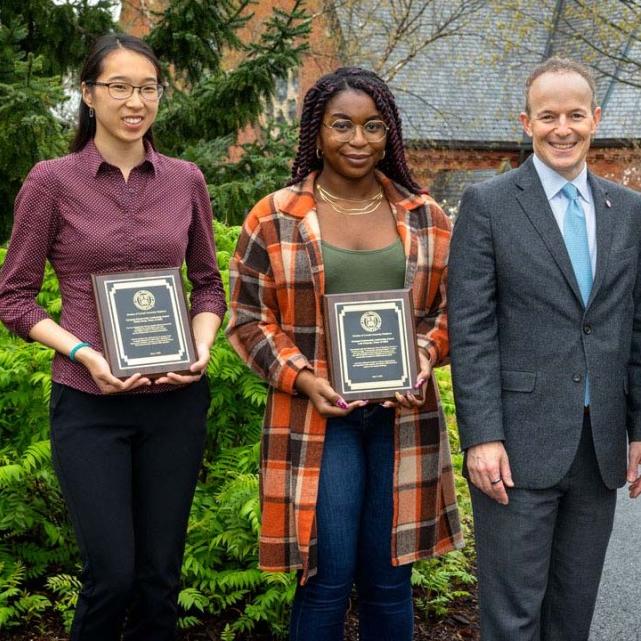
(560, 65)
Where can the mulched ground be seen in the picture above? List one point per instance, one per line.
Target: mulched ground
(461, 624)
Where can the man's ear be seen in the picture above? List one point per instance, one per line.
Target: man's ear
(596, 115)
(525, 123)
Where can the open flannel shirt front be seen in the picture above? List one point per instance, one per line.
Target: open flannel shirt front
(276, 325)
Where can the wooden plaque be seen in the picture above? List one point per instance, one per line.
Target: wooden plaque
(144, 322)
(371, 344)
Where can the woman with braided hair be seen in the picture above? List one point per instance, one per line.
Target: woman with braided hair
(350, 492)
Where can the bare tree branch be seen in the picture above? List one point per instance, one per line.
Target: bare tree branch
(386, 35)
(607, 32)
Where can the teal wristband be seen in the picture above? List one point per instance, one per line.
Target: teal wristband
(74, 349)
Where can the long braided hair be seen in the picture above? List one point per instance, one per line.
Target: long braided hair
(394, 165)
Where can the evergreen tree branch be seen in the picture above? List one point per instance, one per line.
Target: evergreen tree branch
(224, 102)
(192, 35)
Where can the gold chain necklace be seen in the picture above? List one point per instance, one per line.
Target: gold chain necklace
(371, 204)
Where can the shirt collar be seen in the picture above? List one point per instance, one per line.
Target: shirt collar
(93, 160)
(553, 182)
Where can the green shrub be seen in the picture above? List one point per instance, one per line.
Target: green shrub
(440, 581)
(39, 561)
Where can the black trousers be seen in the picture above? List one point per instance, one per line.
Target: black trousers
(540, 557)
(127, 466)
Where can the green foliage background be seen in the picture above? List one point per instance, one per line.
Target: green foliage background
(39, 560)
(42, 44)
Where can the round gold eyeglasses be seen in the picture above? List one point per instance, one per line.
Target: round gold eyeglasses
(344, 130)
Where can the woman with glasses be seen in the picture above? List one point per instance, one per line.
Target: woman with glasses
(351, 492)
(126, 452)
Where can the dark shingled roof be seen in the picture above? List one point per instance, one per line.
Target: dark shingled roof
(463, 88)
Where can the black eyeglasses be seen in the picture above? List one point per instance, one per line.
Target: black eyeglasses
(123, 90)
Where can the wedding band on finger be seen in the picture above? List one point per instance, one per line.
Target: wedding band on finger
(496, 482)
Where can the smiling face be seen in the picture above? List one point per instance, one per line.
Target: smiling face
(561, 121)
(357, 157)
(121, 122)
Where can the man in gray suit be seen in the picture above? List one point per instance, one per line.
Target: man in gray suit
(544, 306)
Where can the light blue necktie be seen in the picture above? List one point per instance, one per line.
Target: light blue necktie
(575, 234)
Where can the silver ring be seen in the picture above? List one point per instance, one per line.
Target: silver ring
(498, 480)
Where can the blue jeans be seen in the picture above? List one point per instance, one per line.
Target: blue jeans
(354, 523)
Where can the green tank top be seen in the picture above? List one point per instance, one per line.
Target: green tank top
(363, 270)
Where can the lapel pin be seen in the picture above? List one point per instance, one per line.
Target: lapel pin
(608, 204)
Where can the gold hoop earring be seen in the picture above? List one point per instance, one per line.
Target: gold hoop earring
(319, 153)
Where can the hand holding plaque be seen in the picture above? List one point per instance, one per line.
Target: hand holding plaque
(371, 343)
(144, 322)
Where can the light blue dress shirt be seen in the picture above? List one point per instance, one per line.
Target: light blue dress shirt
(552, 185)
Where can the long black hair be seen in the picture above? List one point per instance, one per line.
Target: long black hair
(92, 68)
(394, 164)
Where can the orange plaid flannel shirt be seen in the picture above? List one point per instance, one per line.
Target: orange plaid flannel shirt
(276, 326)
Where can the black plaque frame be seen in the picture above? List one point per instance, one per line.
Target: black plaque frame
(113, 319)
(394, 333)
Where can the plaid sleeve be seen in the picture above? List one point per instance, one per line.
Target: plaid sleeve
(432, 328)
(254, 328)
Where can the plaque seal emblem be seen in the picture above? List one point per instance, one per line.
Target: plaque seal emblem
(371, 322)
(144, 300)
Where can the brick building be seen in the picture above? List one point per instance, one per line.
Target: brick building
(460, 96)
(137, 16)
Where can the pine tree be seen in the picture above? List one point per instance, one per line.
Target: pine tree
(43, 42)
(208, 103)
(40, 42)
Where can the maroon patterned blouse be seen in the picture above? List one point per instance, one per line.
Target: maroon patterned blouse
(79, 212)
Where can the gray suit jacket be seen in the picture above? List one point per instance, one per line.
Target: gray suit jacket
(521, 339)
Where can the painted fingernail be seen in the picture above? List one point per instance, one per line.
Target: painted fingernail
(419, 383)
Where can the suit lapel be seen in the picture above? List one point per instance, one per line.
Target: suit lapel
(603, 232)
(532, 198)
